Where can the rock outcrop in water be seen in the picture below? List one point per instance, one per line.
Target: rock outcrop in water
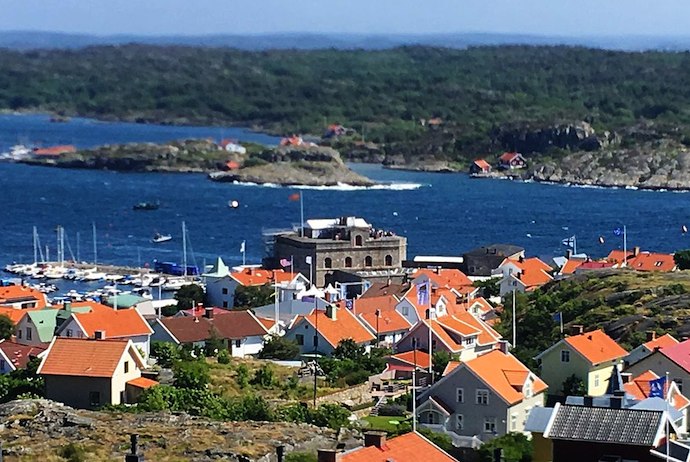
(577, 136)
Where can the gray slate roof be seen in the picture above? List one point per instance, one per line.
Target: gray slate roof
(538, 419)
(604, 425)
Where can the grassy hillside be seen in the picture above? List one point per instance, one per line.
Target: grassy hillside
(625, 304)
(381, 94)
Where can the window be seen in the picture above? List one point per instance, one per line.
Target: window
(225, 290)
(368, 261)
(225, 304)
(565, 356)
(238, 343)
(316, 340)
(405, 311)
(389, 260)
(460, 395)
(468, 341)
(70, 333)
(358, 241)
(513, 422)
(348, 262)
(679, 382)
(19, 333)
(3, 365)
(528, 388)
(459, 421)
(94, 398)
(596, 380)
(482, 397)
(28, 333)
(328, 262)
(126, 367)
(300, 339)
(490, 425)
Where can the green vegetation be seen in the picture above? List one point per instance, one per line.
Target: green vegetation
(350, 365)
(6, 327)
(388, 424)
(187, 296)
(515, 446)
(23, 383)
(682, 259)
(279, 348)
(381, 94)
(253, 296)
(73, 453)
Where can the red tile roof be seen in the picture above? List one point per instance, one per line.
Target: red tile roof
(571, 265)
(617, 256)
(663, 341)
(408, 357)
(679, 354)
(648, 261)
(188, 329)
(369, 305)
(260, 276)
(16, 314)
(19, 355)
(239, 324)
(85, 357)
(533, 272)
(345, 326)
(379, 289)
(142, 382)
(231, 325)
(504, 374)
(508, 156)
(595, 265)
(18, 293)
(481, 163)
(449, 278)
(200, 310)
(450, 367)
(388, 321)
(115, 323)
(638, 388)
(596, 346)
(410, 447)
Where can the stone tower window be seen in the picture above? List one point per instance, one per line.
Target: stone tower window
(389, 260)
(348, 262)
(368, 260)
(358, 241)
(327, 262)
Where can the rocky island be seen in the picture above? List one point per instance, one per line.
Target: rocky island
(287, 165)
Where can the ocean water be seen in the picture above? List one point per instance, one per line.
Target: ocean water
(440, 214)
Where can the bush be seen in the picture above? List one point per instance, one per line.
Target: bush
(223, 356)
(191, 374)
(279, 348)
(300, 457)
(242, 376)
(264, 376)
(72, 453)
(253, 296)
(392, 410)
(516, 448)
(166, 353)
(188, 295)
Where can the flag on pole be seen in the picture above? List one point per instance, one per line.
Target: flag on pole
(569, 242)
(307, 259)
(657, 388)
(294, 196)
(284, 262)
(349, 304)
(618, 231)
(242, 247)
(423, 293)
(558, 317)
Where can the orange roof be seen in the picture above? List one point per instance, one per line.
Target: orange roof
(260, 276)
(115, 323)
(504, 374)
(449, 278)
(15, 314)
(486, 336)
(481, 163)
(450, 367)
(388, 321)
(534, 272)
(17, 293)
(444, 337)
(410, 447)
(345, 326)
(648, 261)
(142, 382)
(19, 355)
(267, 323)
(638, 388)
(408, 357)
(617, 256)
(84, 357)
(508, 156)
(596, 346)
(571, 265)
(369, 305)
(379, 289)
(661, 342)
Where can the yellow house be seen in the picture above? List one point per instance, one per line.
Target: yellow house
(590, 356)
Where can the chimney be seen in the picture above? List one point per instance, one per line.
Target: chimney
(636, 251)
(521, 259)
(208, 312)
(617, 399)
(577, 329)
(588, 401)
(651, 335)
(331, 312)
(280, 453)
(626, 376)
(377, 439)
(99, 335)
(327, 455)
(67, 305)
(568, 254)
(503, 346)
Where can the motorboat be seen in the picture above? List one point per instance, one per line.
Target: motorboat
(147, 206)
(159, 238)
(174, 284)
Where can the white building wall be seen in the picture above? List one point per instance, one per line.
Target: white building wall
(220, 292)
(248, 346)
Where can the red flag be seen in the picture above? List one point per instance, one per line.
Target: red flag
(294, 197)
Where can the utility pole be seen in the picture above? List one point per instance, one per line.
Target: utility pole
(514, 322)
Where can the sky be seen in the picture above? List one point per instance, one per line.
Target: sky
(202, 17)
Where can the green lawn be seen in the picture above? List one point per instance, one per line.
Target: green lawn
(386, 423)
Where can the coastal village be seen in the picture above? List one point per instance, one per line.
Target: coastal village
(407, 349)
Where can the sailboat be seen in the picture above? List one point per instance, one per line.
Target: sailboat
(158, 238)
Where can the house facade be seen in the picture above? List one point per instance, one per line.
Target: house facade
(653, 342)
(482, 398)
(480, 167)
(672, 360)
(589, 356)
(511, 161)
(88, 374)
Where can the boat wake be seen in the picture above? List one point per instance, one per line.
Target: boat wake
(341, 186)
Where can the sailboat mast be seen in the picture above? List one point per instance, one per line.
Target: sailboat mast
(184, 248)
(62, 246)
(78, 259)
(35, 236)
(95, 249)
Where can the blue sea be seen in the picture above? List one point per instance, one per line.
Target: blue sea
(440, 214)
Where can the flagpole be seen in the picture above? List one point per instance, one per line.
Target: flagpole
(301, 215)
(561, 319)
(414, 386)
(431, 350)
(515, 322)
(574, 244)
(668, 417)
(625, 246)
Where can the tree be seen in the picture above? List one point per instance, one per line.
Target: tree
(253, 296)
(264, 376)
(242, 375)
(682, 259)
(223, 356)
(191, 374)
(188, 295)
(348, 349)
(166, 353)
(279, 348)
(516, 448)
(440, 360)
(574, 386)
(489, 288)
(6, 327)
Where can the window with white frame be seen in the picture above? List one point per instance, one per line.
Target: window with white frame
(513, 422)
(459, 422)
(528, 388)
(469, 340)
(460, 395)
(490, 425)
(405, 310)
(565, 356)
(596, 380)
(482, 397)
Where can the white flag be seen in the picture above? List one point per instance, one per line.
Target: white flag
(242, 247)
(308, 259)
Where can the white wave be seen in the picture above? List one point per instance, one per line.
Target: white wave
(340, 186)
